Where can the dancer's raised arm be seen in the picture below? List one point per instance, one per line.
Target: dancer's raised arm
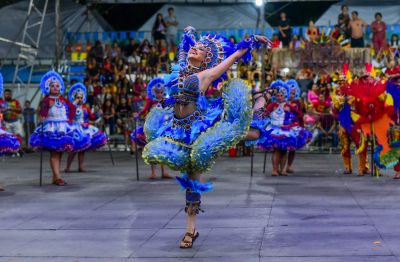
(206, 77)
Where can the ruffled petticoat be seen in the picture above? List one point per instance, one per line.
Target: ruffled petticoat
(292, 138)
(97, 137)
(59, 136)
(8, 142)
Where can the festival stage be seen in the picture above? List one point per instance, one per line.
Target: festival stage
(316, 214)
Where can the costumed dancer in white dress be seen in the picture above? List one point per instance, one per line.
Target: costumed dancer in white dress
(57, 133)
(77, 95)
(284, 132)
(200, 129)
(156, 93)
(8, 142)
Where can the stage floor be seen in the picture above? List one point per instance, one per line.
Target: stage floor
(316, 214)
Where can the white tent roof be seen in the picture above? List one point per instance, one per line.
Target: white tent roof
(210, 17)
(73, 18)
(366, 10)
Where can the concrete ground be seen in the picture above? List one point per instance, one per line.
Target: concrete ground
(316, 214)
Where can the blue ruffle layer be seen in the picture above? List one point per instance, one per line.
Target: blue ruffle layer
(285, 139)
(59, 136)
(8, 143)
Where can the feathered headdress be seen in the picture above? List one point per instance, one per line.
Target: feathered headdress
(1, 85)
(280, 87)
(217, 49)
(293, 85)
(365, 87)
(50, 78)
(75, 89)
(155, 84)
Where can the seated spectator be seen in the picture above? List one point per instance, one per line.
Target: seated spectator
(394, 41)
(93, 70)
(276, 43)
(130, 48)
(109, 116)
(97, 52)
(295, 43)
(114, 52)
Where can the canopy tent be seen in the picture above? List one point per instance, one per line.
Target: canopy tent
(390, 10)
(210, 17)
(73, 18)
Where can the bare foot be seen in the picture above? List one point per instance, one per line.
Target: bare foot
(283, 174)
(1, 189)
(153, 176)
(275, 173)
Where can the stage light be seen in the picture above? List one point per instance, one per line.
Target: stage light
(259, 2)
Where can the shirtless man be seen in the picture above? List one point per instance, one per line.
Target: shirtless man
(357, 27)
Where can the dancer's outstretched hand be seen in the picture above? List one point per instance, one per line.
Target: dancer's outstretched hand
(262, 39)
(189, 29)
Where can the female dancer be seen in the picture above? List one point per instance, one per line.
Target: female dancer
(201, 130)
(8, 142)
(56, 133)
(155, 94)
(284, 132)
(77, 95)
(297, 108)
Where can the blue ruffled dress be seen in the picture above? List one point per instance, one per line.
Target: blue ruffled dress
(8, 142)
(97, 137)
(282, 133)
(56, 133)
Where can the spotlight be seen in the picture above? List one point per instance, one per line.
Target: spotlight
(259, 2)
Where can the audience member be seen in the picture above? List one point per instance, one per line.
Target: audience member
(357, 26)
(378, 28)
(285, 31)
(172, 31)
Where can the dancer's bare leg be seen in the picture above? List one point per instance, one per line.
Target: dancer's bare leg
(70, 159)
(81, 158)
(164, 173)
(55, 162)
(282, 162)
(290, 160)
(153, 172)
(275, 163)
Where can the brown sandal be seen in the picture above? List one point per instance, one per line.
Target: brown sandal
(189, 243)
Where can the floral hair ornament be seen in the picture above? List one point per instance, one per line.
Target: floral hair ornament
(156, 84)
(48, 79)
(281, 88)
(76, 89)
(293, 85)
